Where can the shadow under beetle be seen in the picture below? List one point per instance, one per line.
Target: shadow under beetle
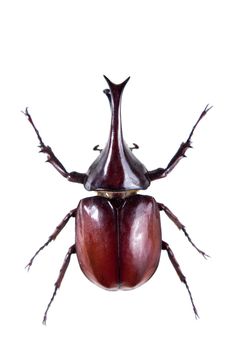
(117, 232)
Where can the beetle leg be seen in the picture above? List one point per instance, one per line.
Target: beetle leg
(72, 250)
(52, 159)
(176, 266)
(180, 226)
(162, 172)
(135, 146)
(58, 229)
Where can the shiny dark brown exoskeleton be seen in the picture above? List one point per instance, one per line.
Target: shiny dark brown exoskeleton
(118, 233)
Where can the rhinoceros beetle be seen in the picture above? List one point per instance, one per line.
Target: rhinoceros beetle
(118, 237)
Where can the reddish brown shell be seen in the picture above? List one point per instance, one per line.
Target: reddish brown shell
(118, 241)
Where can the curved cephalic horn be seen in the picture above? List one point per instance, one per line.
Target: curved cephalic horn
(116, 168)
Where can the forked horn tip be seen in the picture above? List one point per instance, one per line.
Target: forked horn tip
(110, 83)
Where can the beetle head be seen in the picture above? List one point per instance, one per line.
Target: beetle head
(116, 168)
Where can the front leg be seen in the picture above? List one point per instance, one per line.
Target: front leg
(162, 172)
(52, 159)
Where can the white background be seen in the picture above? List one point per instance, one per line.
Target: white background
(179, 56)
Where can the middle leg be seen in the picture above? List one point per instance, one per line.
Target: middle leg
(51, 238)
(180, 226)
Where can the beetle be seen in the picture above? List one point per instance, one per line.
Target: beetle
(118, 238)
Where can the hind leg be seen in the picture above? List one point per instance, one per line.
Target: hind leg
(72, 250)
(176, 266)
